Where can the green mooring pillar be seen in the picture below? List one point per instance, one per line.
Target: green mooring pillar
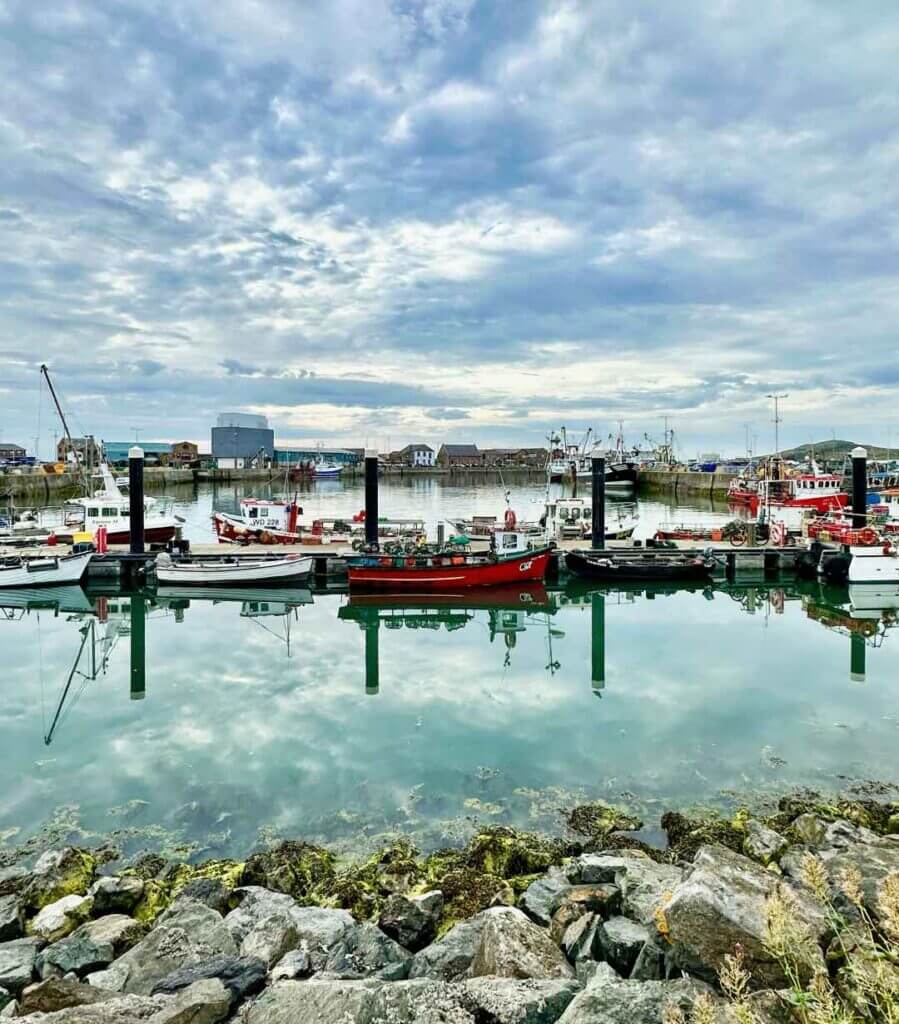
(857, 658)
(138, 648)
(372, 660)
(598, 641)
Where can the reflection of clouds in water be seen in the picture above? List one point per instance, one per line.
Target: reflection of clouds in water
(695, 690)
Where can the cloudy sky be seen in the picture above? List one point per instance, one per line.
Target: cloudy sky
(450, 219)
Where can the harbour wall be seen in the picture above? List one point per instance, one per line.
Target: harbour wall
(676, 482)
(36, 486)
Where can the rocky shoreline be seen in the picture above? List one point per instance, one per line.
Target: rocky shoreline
(738, 920)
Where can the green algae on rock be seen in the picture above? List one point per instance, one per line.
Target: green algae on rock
(596, 820)
(291, 867)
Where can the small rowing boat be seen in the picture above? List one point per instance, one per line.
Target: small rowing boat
(246, 572)
(43, 571)
(674, 569)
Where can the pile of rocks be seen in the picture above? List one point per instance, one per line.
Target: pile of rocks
(598, 938)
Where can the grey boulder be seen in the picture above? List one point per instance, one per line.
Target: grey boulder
(12, 918)
(607, 1001)
(116, 895)
(18, 961)
(509, 1001)
(644, 884)
(722, 902)
(412, 921)
(364, 951)
(362, 1002)
(620, 941)
(500, 941)
(90, 947)
(60, 918)
(267, 925)
(762, 843)
(580, 938)
(187, 933)
(59, 994)
(204, 1002)
(13, 879)
(292, 966)
(541, 898)
(242, 976)
(115, 1010)
(873, 862)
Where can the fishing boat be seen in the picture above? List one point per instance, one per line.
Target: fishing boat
(566, 457)
(670, 569)
(261, 521)
(511, 561)
(241, 572)
(868, 563)
(323, 469)
(776, 488)
(108, 507)
(572, 518)
(55, 570)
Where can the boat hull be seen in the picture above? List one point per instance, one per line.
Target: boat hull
(46, 572)
(233, 531)
(610, 571)
(243, 573)
(530, 567)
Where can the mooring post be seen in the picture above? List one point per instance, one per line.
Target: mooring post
(859, 488)
(371, 497)
(857, 658)
(372, 659)
(138, 647)
(599, 502)
(598, 642)
(441, 535)
(136, 498)
(573, 479)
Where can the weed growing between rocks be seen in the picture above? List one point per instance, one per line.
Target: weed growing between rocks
(857, 983)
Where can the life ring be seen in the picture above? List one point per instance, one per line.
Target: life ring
(359, 517)
(867, 536)
(737, 539)
(511, 520)
(887, 548)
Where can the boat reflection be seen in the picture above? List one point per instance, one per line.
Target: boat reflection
(509, 612)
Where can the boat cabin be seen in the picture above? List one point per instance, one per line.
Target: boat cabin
(568, 517)
(259, 514)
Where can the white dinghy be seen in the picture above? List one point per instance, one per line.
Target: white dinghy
(243, 571)
(43, 571)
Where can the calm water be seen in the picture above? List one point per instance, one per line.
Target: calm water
(237, 720)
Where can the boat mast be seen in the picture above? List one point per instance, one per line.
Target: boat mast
(45, 373)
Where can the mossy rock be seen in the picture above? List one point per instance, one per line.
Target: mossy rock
(467, 892)
(506, 852)
(156, 897)
(686, 835)
(73, 876)
(228, 872)
(882, 818)
(291, 867)
(364, 888)
(618, 841)
(146, 866)
(598, 819)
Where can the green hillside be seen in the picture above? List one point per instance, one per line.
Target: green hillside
(835, 450)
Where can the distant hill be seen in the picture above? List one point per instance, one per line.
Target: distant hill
(835, 450)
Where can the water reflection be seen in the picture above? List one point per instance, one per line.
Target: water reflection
(246, 707)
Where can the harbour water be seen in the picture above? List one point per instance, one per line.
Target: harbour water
(205, 725)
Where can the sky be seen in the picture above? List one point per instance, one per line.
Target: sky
(382, 221)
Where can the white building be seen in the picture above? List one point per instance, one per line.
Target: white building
(418, 455)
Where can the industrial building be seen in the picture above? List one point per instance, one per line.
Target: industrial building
(240, 440)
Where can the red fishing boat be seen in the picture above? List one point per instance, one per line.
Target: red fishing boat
(510, 563)
(822, 492)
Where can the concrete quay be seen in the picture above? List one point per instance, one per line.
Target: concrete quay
(684, 482)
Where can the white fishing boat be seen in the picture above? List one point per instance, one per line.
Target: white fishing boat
(43, 571)
(216, 572)
(66, 599)
(322, 469)
(572, 519)
(108, 507)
